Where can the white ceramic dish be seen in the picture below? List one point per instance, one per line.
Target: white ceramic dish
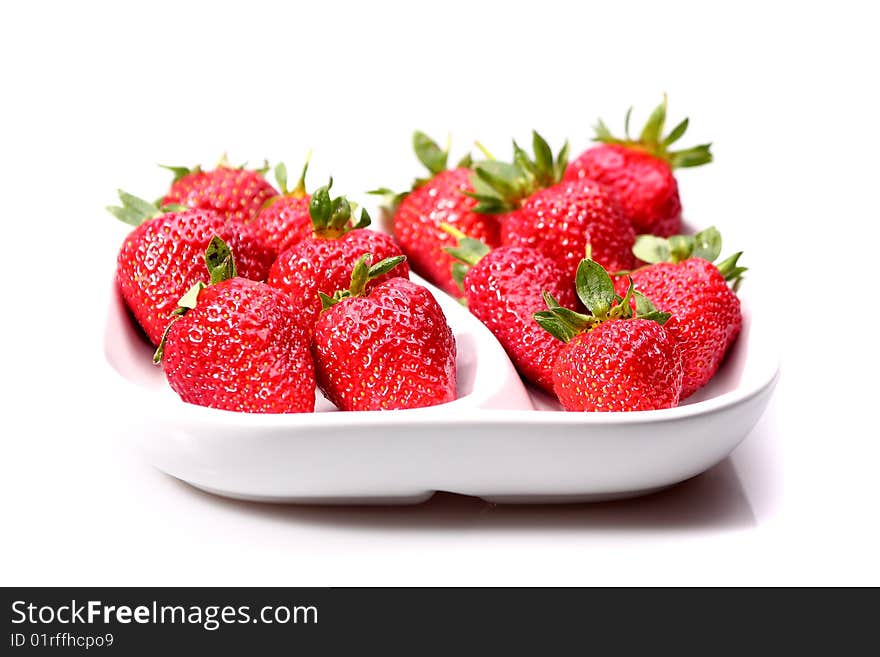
(498, 441)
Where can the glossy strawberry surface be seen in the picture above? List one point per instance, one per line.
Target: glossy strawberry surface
(504, 290)
(419, 216)
(242, 348)
(236, 194)
(706, 314)
(284, 222)
(643, 185)
(163, 257)
(620, 365)
(324, 265)
(559, 221)
(391, 349)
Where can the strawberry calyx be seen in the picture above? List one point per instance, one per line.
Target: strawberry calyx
(332, 217)
(501, 186)
(221, 267)
(467, 252)
(434, 158)
(134, 211)
(180, 172)
(362, 273)
(299, 191)
(595, 289)
(706, 245)
(223, 163)
(731, 271)
(652, 140)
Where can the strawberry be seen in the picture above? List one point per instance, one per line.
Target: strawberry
(234, 192)
(503, 288)
(386, 348)
(238, 345)
(162, 257)
(284, 220)
(432, 202)
(683, 281)
(559, 219)
(639, 171)
(612, 360)
(323, 263)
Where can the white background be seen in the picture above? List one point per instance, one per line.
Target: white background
(94, 95)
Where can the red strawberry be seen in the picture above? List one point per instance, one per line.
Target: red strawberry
(706, 312)
(284, 220)
(432, 202)
(639, 171)
(389, 348)
(559, 219)
(163, 257)
(323, 263)
(238, 345)
(235, 193)
(612, 361)
(503, 289)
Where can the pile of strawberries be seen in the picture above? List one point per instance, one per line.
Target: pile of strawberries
(254, 296)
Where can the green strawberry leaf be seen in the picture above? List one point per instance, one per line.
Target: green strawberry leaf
(654, 126)
(604, 134)
(680, 247)
(543, 159)
(340, 213)
(125, 215)
(646, 310)
(561, 323)
(327, 302)
(643, 305)
(651, 249)
(173, 207)
(281, 176)
(219, 260)
(300, 190)
(594, 287)
(561, 161)
(526, 166)
(429, 153)
(390, 199)
(134, 211)
(320, 206)
(707, 244)
(499, 178)
(660, 318)
(459, 271)
(548, 321)
(363, 221)
(360, 274)
(692, 157)
(731, 270)
(466, 162)
(677, 133)
(180, 172)
(624, 305)
(190, 298)
(468, 251)
(384, 266)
